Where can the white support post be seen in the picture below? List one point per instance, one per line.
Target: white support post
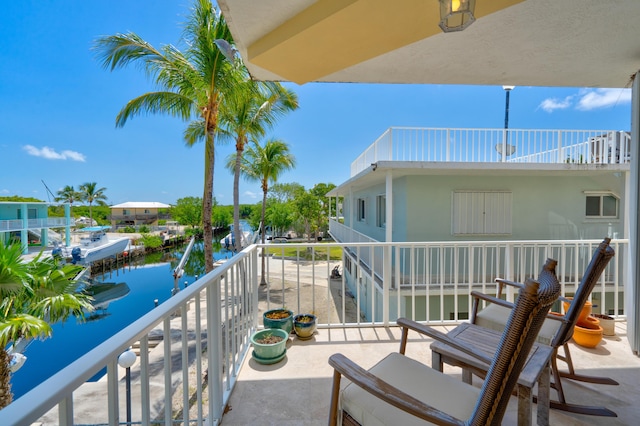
(386, 271)
(560, 159)
(389, 208)
(508, 271)
(632, 287)
(112, 393)
(168, 404)
(145, 395)
(214, 340)
(65, 411)
(503, 154)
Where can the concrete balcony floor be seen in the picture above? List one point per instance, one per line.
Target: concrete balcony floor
(296, 391)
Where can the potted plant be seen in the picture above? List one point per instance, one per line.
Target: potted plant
(304, 325)
(269, 345)
(278, 318)
(607, 323)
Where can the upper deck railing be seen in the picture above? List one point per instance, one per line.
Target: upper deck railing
(48, 222)
(489, 145)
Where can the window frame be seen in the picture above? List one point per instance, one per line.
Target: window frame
(361, 210)
(601, 195)
(381, 211)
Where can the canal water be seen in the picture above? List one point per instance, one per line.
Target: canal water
(150, 279)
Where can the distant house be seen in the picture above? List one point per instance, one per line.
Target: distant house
(136, 213)
(29, 222)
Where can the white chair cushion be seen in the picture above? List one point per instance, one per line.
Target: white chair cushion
(495, 317)
(436, 389)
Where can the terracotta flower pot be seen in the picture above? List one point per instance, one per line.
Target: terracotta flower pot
(587, 335)
(589, 322)
(586, 309)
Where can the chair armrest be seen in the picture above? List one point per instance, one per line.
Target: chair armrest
(442, 337)
(388, 393)
(511, 283)
(502, 282)
(492, 299)
(476, 302)
(504, 303)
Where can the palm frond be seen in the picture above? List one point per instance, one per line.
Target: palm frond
(194, 132)
(61, 306)
(13, 271)
(22, 326)
(118, 51)
(171, 103)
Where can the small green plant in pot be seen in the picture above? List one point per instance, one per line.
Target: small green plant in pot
(305, 325)
(269, 345)
(278, 318)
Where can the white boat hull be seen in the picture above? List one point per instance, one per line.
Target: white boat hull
(108, 249)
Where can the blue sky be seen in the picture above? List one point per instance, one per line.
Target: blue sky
(58, 108)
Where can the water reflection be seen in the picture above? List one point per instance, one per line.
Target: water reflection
(121, 297)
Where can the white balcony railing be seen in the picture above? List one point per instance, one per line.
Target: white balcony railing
(18, 224)
(428, 281)
(487, 145)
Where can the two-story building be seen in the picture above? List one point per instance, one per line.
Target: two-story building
(453, 188)
(29, 222)
(136, 213)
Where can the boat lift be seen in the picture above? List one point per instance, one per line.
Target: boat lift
(179, 270)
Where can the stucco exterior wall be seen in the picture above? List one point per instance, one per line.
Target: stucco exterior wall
(544, 207)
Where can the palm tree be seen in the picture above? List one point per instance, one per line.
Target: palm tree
(253, 108)
(68, 195)
(265, 164)
(192, 85)
(90, 194)
(34, 295)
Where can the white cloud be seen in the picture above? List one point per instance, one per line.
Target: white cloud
(602, 98)
(552, 104)
(51, 154)
(4, 191)
(251, 194)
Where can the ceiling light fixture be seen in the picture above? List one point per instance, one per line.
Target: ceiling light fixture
(456, 15)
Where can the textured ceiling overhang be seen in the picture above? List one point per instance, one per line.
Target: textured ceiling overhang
(583, 43)
(331, 35)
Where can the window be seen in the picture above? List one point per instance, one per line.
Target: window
(381, 211)
(361, 210)
(601, 205)
(126, 212)
(31, 213)
(481, 213)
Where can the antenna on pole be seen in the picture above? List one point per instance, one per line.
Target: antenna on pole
(48, 190)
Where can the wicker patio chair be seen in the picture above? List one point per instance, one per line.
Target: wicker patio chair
(399, 390)
(556, 330)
